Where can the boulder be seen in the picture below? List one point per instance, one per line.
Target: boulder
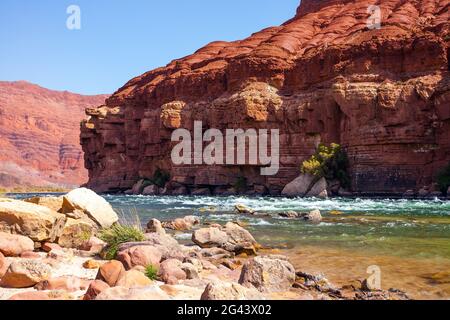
(133, 279)
(289, 215)
(94, 206)
(76, 232)
(13, 245)
(242, 209)
(138, 187)
(139, 256)
(171, 271)
(209, 237)
(34, 221)
(182, 224)
(268, 274)
(190, 270)
(25, 274)
(225, 291)
(41, 296)
(30, 255)
(166, 244)
(111, 272)
(448, 192)
(155, 225)
(95, 288)
(3, 265)
(67, 283)
(305, 186)
(122, 293)
(238, 236)
(313, 216)
(53, 203)
(93, 245)
(232, 238)
(49, 246)
(151, 190)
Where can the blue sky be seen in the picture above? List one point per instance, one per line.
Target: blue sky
(119, 39)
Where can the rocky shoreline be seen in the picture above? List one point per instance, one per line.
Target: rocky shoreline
(50, 249)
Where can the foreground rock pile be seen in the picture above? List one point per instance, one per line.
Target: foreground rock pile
(221, 262)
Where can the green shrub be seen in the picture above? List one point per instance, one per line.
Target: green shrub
(443, 179)
(119, 234)
(160, 178)
(329, 162)
(241, 184)
(151, 272)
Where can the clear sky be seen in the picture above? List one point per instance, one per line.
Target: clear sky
(119, 39)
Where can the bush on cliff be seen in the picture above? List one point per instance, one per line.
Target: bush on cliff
(119, 234)
(443, 179)
(241, 184)
(329, 162)
(160, 178)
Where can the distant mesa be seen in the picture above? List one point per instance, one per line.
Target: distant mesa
(39, 136)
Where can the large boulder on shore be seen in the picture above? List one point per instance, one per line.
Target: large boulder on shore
(54, 203)
(210, 237)
(34, 221)
(306, 185)
(268, 274)
(133, 279)
(140, 256)
(232, 238)
(91, 204)
(25, 274)
(13, 245)
(171, 271)
(111, 272)
(222, 291)
(75, 232)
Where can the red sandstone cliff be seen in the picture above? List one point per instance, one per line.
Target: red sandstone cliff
(39, 135)
(323, 76)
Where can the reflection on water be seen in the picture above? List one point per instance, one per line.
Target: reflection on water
(408, 239)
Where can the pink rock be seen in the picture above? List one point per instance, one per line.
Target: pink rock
(95, 288)
(171, 271)
(139, 256)
(111, 272)
(48, 246)
(67, 283)
(13, 245)
(30, 255)
(3, 265)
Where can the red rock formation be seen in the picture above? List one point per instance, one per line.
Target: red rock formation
(323, 76)
(39, 135)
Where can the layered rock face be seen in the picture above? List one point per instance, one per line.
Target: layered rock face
(324, 76)
(39, 135)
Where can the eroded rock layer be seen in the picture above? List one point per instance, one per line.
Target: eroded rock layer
(39, 136)
(323, 76)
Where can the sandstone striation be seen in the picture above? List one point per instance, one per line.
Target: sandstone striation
(323, 76)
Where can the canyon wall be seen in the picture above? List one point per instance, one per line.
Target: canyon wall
(323, 76)
(39, 136)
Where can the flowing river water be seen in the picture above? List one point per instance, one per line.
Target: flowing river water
(409, 240)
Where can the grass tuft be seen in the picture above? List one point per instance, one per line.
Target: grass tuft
(151, 272)
(124, 231)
